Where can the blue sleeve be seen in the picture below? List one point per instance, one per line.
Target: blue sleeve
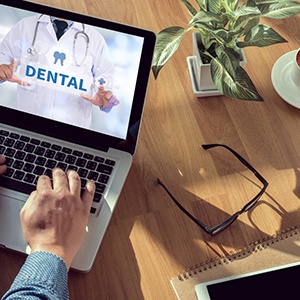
(113, 101)
(43, 276)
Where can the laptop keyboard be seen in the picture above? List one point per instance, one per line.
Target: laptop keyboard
(28, 158)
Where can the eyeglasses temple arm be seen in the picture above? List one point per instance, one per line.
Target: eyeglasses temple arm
(182, 208)
(240, 158)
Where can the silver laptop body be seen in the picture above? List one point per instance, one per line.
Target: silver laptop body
(103, 142)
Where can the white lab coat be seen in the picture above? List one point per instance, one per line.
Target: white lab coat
(52, 102)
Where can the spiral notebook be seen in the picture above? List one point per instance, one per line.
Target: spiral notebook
(280, 249)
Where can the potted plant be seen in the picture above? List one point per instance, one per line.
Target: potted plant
(224, 27)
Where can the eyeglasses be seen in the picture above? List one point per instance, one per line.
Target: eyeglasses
(220, 227)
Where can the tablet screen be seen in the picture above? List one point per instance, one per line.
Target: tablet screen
(280, 283)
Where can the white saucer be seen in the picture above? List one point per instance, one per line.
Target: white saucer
(282, 81)
(191, 60)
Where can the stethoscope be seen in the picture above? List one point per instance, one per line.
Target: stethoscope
(31, 50)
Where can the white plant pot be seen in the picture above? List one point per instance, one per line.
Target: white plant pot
(203, 84)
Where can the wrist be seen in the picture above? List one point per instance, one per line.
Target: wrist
(57, 251)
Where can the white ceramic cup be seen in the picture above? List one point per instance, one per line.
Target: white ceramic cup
(295, 69)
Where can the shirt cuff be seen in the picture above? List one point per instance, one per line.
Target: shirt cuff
(43, 274)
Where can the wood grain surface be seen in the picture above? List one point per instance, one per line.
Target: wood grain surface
(149, 240)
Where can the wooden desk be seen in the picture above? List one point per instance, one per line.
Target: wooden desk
(149, 240)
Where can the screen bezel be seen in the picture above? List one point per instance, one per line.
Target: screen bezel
(72, 133)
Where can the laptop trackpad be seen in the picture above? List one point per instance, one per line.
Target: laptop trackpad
(11, 235)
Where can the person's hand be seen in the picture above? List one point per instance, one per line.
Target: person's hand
(103, 98)
(3, 167)
(7, 72)
(54, 217)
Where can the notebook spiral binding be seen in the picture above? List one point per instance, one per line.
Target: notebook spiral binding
(257, 246)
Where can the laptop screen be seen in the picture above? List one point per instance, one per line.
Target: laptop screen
(68, 74)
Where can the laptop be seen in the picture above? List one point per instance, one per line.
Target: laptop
(51, 115)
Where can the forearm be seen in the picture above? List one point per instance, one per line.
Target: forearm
(43, 276)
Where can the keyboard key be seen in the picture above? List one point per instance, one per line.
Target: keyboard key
(67, 150)
(60, 156)
(18, 165)
(62, 166)
(48, 173)
(40, 161)
(82, 172)
(39, 151)
(9, 172)
(81, 162)
(9, 142)
(2, 149)
(30, 178)
(29, 148)
(9, 161)
(28, 168)
(91, 165)
(70, 159)
(104, 169)
(99, 159)
(56, 147)
(70, 167)
(51, 164)
(77, 153)
(20, 155)
(14, 135)
(39, 170)
(103, 178)
(19, 145)
(49, 153)
(93, 175)
(4, 132)
(110, 162)
(24, 138)
(30, 158)
(45, 144)
(100, 188)
(83, 183)
(9, 152)
(88, 156)
(97, 197)
(35, 141)
(19, 175)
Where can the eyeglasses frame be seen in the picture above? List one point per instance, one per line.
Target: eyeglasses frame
(222, 226)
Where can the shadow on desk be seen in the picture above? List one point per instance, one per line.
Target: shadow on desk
(186, 243)
(115, 273)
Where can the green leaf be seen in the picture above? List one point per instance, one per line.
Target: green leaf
(229, 58)
(189, 7)
(215, 6)
(167, 43)
(244, 11)
(241, 88)
(202, 4)
(281, 10)
(261, 36)
(246, 23)
(226, 37)
(203, 17)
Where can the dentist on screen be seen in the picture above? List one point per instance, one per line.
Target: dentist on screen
(62, 69)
